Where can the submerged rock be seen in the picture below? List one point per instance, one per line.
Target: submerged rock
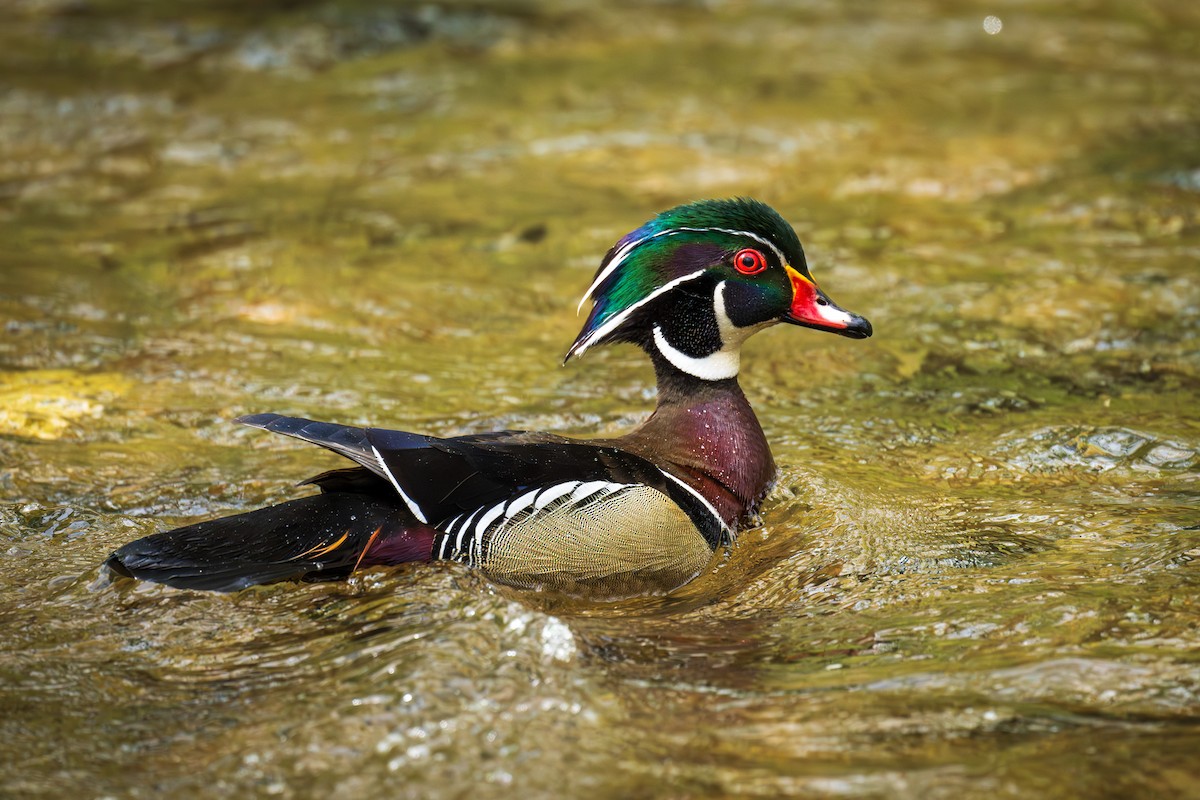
(1094, 449)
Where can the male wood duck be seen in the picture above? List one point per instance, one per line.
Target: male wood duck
(603, 518)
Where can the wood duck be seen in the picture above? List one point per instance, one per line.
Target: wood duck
(603, 518)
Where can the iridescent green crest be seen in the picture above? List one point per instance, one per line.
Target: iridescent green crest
(677, 246)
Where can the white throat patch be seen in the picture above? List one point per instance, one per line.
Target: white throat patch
(722, 364)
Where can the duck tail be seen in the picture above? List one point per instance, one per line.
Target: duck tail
(318, 538)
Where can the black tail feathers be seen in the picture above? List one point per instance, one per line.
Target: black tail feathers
(322, 537)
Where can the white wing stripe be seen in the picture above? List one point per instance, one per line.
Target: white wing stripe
(408, 501)
(701, 498)
(590, 488)
(458, 540)
(487, 519)
(552, 493)
(520, 504)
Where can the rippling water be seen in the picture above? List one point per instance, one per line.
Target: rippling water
(977, 575)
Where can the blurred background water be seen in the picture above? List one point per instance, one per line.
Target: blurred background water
(977, 576)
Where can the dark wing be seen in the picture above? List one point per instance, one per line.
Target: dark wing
(319, 537)
(439, 479)
(416, 466)
(344, 440)
(456, 476)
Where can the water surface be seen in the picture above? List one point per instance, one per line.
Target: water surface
(977, 575)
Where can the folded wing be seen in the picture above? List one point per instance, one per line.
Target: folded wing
(440, 479)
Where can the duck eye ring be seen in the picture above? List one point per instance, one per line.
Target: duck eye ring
(749, 261)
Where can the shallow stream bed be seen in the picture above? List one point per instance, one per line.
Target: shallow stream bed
(979, 574)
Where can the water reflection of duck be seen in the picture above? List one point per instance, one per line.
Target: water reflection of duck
(602, 518)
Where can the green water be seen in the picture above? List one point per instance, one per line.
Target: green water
(977, 576)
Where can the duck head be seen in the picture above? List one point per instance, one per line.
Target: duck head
(692, 284)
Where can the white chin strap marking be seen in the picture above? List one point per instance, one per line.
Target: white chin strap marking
(722, 364)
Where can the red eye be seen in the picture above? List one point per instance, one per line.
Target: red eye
(749, 262)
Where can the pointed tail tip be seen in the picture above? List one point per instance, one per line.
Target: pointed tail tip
(319, 537)
(115, 565)
(261, 420)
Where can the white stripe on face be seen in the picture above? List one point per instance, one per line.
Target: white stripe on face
(609, 326)
(624, 252)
